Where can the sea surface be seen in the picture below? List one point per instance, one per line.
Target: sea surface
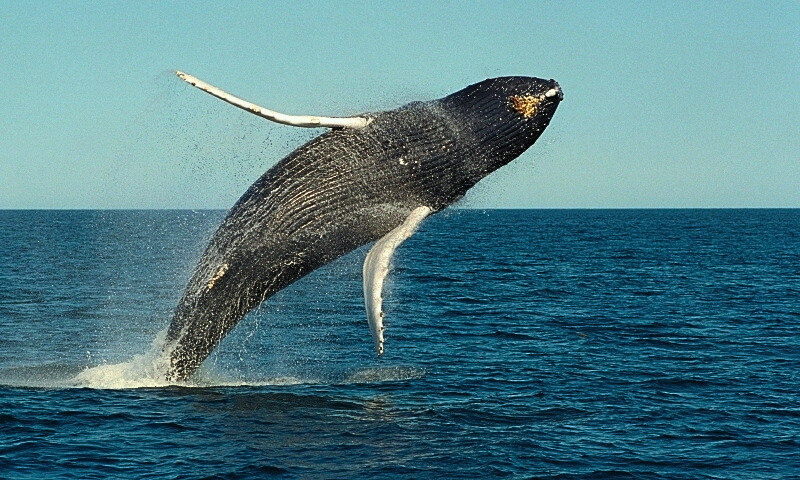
(552, 344)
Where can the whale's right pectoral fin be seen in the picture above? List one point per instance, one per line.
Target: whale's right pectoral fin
(308, 121)
(376, 267)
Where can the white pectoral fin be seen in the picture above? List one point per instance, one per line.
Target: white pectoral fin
(308, 121)
(376, 267)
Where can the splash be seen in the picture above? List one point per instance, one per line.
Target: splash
(148, 370)
(144, 370)
(385, 374)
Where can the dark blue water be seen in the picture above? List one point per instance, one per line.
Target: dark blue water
(522, 344)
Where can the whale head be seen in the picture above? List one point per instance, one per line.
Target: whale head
(504, 116)
(471, 133)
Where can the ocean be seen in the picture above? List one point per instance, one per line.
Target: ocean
(533, 344)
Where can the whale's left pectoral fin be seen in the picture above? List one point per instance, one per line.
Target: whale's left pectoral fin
(376, 267)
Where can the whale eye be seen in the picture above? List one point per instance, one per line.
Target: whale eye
(527, 105)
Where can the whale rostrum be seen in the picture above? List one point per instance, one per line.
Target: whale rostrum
(371, 178)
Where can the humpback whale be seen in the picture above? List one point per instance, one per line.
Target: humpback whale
(370, 178)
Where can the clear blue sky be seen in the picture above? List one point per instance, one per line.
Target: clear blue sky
(667, 104)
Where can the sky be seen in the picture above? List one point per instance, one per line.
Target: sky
(666, 104)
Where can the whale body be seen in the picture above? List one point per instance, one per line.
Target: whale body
(349, 187)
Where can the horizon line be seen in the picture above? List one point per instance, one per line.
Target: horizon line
(184, 209)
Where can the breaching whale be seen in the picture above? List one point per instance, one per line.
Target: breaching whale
(372, 177)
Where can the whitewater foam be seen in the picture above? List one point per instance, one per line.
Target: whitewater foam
(142, 371)
(149, 369)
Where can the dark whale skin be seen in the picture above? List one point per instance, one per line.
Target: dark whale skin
(346, 188)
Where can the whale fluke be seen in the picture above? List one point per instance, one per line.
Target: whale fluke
(307, 121)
